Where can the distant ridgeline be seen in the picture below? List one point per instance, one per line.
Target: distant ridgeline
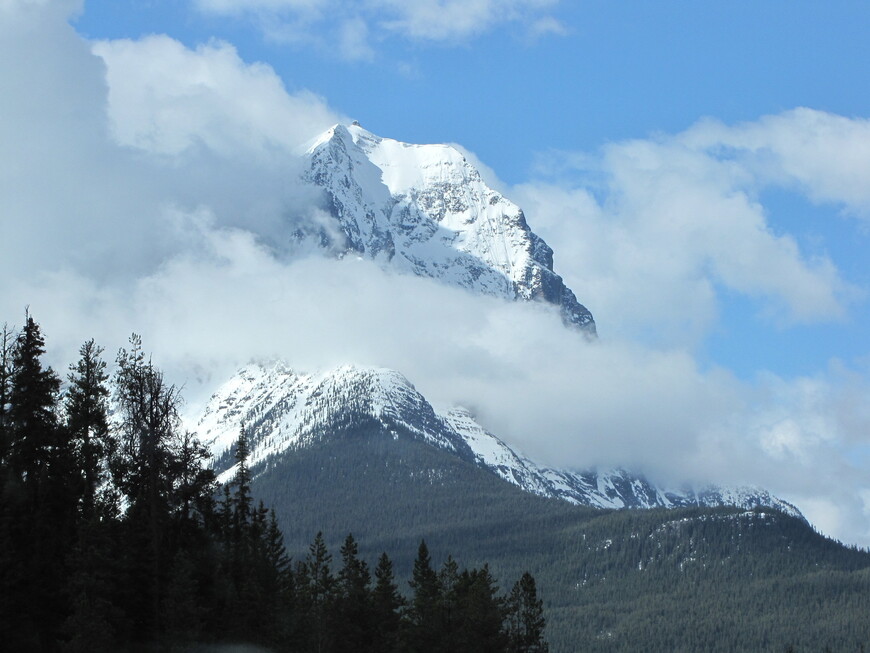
(114, 536)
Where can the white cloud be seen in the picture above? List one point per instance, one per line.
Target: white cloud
(63, 7)
(166, 98)
(825, 155)
(312, 22)
(235, 7)
(651, 231)
(354, 40)
(447, 20)
(226, 299)
(176, 233)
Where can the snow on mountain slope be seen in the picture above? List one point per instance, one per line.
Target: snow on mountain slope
(283, 410)
(424, 210)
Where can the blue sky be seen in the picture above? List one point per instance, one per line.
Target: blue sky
(605, 72)
(702, 171)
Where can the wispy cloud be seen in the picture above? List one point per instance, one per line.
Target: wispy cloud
(354, 25)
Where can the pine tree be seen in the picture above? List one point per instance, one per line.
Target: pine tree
(424, 632)
(87, 422)
(7, 339)
(41, 463)
(386, 604)
(242, 484)
(142, 469)
(354, 627)
(33, 406)
(317, 594)
(481, 613)
(525, 618)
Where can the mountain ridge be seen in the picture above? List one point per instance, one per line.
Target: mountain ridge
(282, 409)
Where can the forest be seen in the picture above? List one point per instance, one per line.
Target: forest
(116, 536)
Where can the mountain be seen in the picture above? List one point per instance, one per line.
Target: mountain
(361, 450)
(424, 210)
(659, 580)
(282, 410)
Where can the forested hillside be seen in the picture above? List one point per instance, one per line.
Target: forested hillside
(662, 580)
(115, 536)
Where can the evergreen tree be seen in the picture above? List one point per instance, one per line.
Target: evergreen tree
(184, 613)
(41, 465)
(449, 607)
(317, 593)
(525, 618)
(87, 423)
(242, 484)
(142, 469)
(424, 632)
(386, 604)
(7, 339)
(194, 485)
(354, 614)
(278, 584)
(97, 622)
(481, 613)
(33, 406)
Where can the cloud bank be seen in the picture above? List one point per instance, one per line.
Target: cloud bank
(151, 188)
(658, 228)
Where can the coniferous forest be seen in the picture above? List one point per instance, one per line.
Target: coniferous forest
(116, 536)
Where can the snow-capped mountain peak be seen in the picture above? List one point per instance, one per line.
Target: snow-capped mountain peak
(425, 210)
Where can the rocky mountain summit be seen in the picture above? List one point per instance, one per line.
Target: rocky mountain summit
(425, 210)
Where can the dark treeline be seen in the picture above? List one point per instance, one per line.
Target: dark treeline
(116, 536)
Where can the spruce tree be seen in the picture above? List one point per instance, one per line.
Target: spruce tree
(354, 618)
(317, 593)
(525, 618)
(142, 469)
(7, 339)
(386, 604)
(449, 607)
(87, 422)
(482, 613)
(242, 484)
(424, 632)
(41, 463)
(278, 584)
(33, 396)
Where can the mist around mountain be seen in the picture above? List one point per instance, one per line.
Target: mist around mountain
(283, 410)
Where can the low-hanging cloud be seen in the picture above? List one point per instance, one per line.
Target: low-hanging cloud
(545, 389)
(125, 212)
